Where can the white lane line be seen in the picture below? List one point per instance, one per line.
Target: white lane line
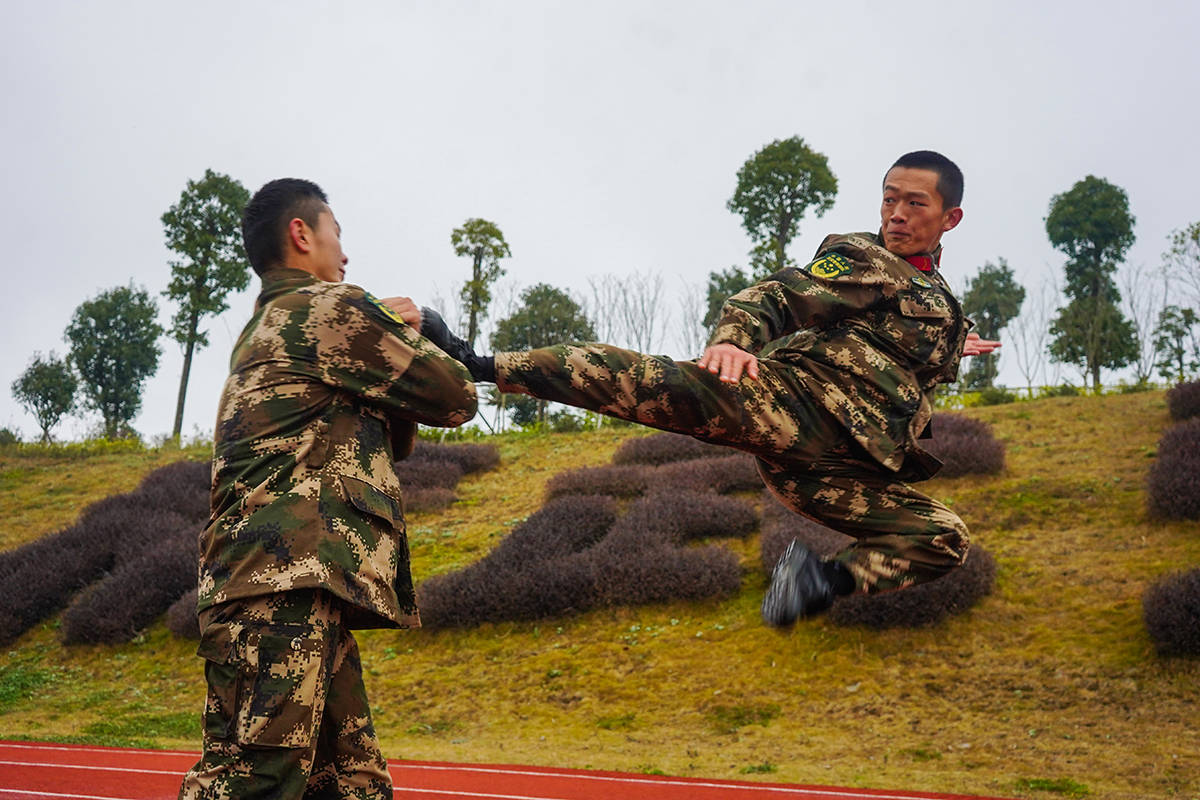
(117, 750)
(52, 765)
(28, 793)
(452, 793)
(797, 790)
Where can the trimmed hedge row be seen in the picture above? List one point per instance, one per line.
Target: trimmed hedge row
(663, 448)
(1173, 482)
(1171, 609)
(130, 557)
(136, 552)
(1183, 400)
(730, 473)
(575, 554)
(965, 445)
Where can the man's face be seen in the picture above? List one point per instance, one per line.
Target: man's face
(326, 257)
(912, 214)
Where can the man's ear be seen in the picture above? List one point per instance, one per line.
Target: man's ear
(300, 235)
(951, 218)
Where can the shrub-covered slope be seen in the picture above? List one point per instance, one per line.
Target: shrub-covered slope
(1050, 681)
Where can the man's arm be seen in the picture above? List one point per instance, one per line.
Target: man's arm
(832, 287)
(371, 351)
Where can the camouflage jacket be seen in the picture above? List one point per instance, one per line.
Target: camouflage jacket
(304, 490)
(870, 333)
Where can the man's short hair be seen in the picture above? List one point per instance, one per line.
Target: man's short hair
(265, 220)
(950, 177)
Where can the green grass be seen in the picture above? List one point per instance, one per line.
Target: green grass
(1051, 675)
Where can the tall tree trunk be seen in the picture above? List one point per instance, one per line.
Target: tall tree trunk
(476, 277)
(183, 380)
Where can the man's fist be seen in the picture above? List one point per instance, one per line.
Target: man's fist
(406, 308)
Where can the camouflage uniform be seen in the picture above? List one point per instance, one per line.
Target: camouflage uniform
(306, 539)
(851, 349)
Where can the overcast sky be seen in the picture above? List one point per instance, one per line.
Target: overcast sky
(603, 138)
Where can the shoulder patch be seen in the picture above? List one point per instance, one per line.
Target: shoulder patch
(922, 282)
(830, 265)
(387, 312)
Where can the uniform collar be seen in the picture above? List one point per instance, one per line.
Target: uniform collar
(925, 262)
(281, 280)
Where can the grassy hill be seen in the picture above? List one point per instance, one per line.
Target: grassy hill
(1049, 688)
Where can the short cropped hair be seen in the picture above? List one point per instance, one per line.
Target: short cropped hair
(265, 220)
(950, 177)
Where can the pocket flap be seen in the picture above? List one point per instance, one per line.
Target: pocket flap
(372, 500)
(927, 305)
(216, 643)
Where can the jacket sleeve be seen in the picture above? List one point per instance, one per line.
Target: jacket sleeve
(836, 285)
(365, 349)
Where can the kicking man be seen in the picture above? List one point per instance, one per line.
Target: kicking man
(826, 374)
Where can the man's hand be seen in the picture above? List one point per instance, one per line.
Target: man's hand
(974, 346)
(406, 308)
(729, 361)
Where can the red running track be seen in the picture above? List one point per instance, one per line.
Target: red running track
(79, 772)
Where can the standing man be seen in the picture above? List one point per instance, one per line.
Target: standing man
(826, 374)
(306, 540)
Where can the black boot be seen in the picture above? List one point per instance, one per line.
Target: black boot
(435, 329)
(800, 587)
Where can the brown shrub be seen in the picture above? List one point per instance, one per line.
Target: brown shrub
(1171, 609)
(428, 474)
(468, 457)
(416, 500)
(1183, 400)
(181, 616)
(735, 472)
(1173, 482)
(663, 448)
(965, 445)
(613, 480)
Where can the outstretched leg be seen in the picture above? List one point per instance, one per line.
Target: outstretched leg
(769, 416)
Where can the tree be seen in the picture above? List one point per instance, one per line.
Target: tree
(1091, 224)
(546, 316)
(114, 347)
(722, 286)
(1183, 260)
(992, 300)
(1029, 334)
(1176, 343)
(775, 188)
(484, 243)
(1091, 333)
(47, 390)
(1144, 293)
(205, 229)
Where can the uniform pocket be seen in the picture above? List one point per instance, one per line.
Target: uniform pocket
(372, 500)
(223, 678)
(282, 690)
(925, 305)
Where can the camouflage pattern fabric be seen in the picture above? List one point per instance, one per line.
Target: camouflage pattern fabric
(851, 349)
(869, 334)
(324, 389)
(287, 715)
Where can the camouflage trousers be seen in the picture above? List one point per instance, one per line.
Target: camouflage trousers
(287, 713)
(805, 456)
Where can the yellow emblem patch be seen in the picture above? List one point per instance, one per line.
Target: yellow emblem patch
(387, 312)
(830, 266)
